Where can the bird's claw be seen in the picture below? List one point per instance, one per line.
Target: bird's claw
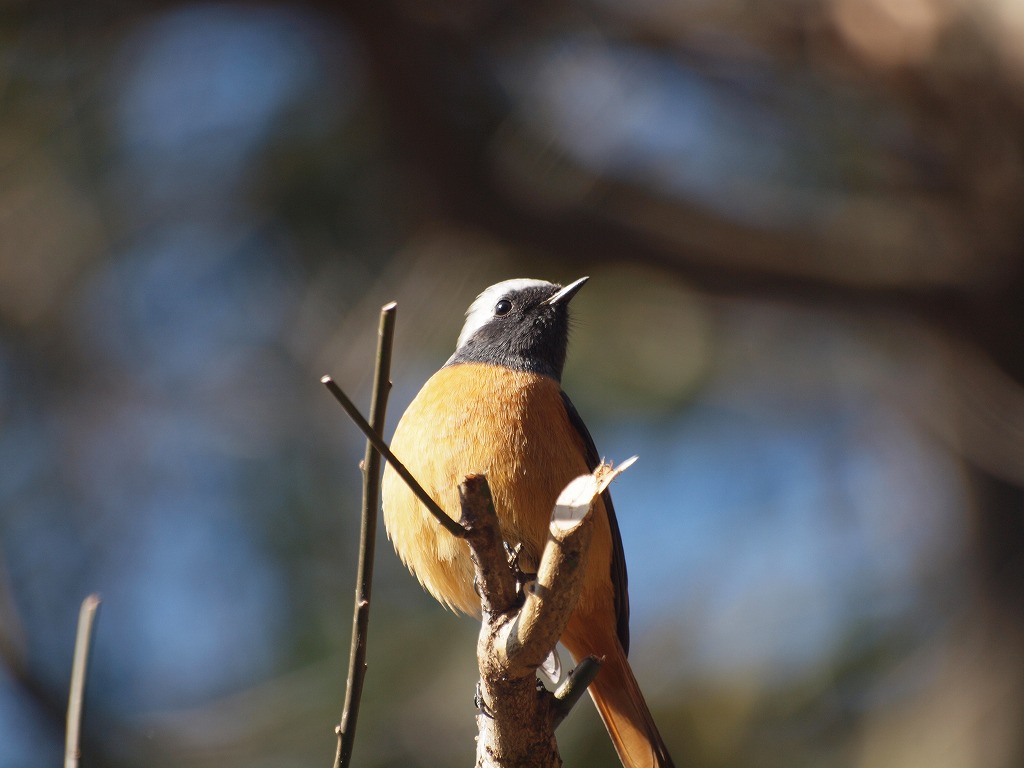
(480, 704)
(522, 577)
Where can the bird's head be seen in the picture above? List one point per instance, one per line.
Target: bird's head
(520, 324)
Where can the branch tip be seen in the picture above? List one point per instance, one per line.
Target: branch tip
(382, 448)
(605, 472)
(576, 498)
(575, 685)
(79, 671)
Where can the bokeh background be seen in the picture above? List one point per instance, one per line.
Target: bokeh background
(804, 226)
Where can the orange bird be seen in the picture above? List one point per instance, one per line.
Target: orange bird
(497, 407)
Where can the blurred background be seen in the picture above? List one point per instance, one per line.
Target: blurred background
(804, 226)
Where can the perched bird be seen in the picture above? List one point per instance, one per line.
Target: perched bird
(497, 407)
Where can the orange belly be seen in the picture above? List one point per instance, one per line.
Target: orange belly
(513, 427)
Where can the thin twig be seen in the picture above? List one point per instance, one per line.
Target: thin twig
(79, 668)
(569, 692)
(446, 522)
(367, 535)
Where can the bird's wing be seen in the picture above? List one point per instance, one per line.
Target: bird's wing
(618, 574)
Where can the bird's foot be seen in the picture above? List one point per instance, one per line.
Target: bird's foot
(514, 554)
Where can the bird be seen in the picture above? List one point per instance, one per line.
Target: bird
(497, 407)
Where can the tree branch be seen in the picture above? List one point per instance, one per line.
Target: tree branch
(346, 729)
(79, 670)
(518, 716)
(494, 580)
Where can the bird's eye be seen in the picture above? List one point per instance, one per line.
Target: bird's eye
(503, 307)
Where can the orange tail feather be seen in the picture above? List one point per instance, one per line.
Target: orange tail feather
(623, 709)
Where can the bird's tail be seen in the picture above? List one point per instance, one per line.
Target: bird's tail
(625, 713)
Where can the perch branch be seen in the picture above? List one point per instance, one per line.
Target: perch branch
(79, 670)
(517, 716)
(367, 535)
(494, 580)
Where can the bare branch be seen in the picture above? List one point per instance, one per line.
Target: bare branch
(494, 580)
(575, 685)
(518, 716)
(79, 670)
(367, 536)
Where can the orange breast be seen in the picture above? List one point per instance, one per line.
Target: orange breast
(513, 427)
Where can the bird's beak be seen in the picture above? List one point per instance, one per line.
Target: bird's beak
(564, 295)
